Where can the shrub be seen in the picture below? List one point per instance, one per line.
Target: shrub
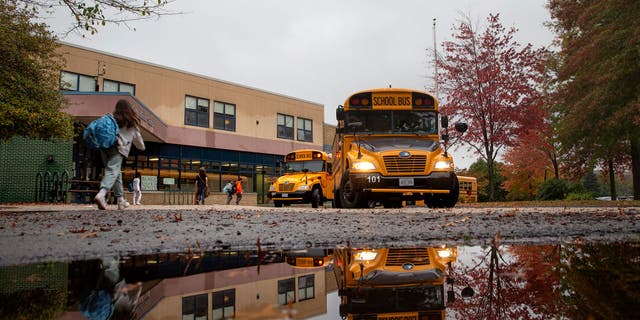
(554, 189)
(580, 196)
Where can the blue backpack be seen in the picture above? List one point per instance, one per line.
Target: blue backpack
(101, 133)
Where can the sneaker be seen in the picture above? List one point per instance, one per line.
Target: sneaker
(123, 205)
(102, 204)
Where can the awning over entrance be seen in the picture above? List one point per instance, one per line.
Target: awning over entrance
(86, 107)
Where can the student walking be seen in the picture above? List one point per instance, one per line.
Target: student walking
(229, 190)
(238, 191)
(137, 192)
(202, 185)
(129, 134)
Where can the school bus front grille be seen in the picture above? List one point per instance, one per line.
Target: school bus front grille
(415, 163)
(399, 256)
(286, 186)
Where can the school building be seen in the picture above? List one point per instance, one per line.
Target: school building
(188, 121)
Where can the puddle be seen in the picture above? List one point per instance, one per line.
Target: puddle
(568, 281)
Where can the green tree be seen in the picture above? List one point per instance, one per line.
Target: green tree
(480, 170)
(592, 184)
(91, 14)
(30, 99)
(599, 79)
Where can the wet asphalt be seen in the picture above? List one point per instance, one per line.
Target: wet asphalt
(38, 233)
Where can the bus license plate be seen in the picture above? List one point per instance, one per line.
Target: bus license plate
(285, 195)
(406, 182)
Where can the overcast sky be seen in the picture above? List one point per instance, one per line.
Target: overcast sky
(320, 51)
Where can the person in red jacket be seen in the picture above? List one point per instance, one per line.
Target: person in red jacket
(238, 191)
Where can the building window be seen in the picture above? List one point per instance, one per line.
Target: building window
(77, 82)
(305, 130)
(224, 116)
(306, 287)
(195, 307)
(115, 86)
(285, 126)
(224, 304)
(196, 111)
(286, 291)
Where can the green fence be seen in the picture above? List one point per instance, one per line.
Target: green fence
(21, 159)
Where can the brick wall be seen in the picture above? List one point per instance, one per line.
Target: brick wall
(20, 161)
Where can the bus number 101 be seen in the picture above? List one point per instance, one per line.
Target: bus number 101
(373, 179)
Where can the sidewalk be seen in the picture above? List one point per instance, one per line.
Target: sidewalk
(52, 207)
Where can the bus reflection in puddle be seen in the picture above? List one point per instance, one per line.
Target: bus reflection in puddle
(570, 281)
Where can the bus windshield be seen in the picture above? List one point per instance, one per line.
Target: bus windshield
(299, 166)
(394, 121)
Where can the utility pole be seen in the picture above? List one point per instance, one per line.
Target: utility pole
(435, 58)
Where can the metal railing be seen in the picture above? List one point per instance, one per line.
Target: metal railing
(52, 186)
(178, 196)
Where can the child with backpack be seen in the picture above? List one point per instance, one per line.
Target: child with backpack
(128, 134)
(238, 191)
(229, 189)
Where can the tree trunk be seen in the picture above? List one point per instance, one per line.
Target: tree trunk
(491, 177)
(635, 166)
(612, 181)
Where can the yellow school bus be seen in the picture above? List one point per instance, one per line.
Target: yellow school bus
(388, 149)
(307, 179)
(468, 189)
(393, 283)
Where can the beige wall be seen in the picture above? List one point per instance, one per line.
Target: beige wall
(256, 293)
(328, 133)
(163, 90)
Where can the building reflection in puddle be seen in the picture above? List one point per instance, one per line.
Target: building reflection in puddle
(572, 281)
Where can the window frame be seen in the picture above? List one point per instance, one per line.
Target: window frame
(78, 84)
(224, 116)
(119, 85)
(225, 304)
(196, 112)
(305, 280)
(194, 299)
(307, 135)
(284, 294)
(283, 131)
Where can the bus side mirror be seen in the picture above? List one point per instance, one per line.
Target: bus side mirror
(340, 113)
(461, 127)
(444, 121)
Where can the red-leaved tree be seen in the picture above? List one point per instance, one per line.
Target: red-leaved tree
(490, 82)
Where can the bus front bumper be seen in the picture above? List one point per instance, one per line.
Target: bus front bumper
(293, 196)
(434, 183)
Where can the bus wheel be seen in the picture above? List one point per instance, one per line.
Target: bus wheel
(316, 198)
(450, 200)
(432, 201)
(336, 199)
(277, 203)
(349, 197)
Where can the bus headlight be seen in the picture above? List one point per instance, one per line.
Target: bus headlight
(445, 253)
(363, 165)
(365, 255)
(443, 164)
(304, 187)
(272, 187)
